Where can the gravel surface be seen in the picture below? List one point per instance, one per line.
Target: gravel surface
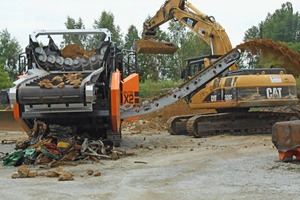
(168, 167)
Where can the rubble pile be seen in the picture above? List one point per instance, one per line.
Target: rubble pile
(23, 171)
(73, 79)
(158, 120)
(54, 146)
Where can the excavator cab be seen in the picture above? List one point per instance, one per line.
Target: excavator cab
(196, 64)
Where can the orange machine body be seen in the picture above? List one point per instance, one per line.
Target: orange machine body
(123, 92)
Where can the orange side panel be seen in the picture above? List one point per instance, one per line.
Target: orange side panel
(115, 101)
(19, 120)
(130, 92)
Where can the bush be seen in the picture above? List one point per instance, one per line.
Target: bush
(150, 88)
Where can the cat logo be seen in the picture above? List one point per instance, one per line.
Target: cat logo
(273, 93)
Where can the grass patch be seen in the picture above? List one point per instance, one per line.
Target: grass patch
(150, 88)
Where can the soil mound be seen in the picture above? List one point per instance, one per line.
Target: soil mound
(278, 51)
(157, 120)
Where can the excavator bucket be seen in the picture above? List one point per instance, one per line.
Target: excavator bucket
(8, 122)
(154, 47)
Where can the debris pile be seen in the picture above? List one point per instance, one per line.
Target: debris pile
(56, 145)
(23, 171)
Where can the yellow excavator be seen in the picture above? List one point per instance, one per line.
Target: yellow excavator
(235, 93)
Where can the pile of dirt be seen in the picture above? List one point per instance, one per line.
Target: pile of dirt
(74, 51)
(157, 120)
(278, 51)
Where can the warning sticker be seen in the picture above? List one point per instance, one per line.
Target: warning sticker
(275, 79)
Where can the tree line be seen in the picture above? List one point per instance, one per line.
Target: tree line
(282, 26)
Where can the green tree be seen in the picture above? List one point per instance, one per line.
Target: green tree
(106, 20)
(131, 37)
(75, 39)
(9, 54)
(252, 33)
(72, 24)
(283, 25)
(190, 45)
(5, 80)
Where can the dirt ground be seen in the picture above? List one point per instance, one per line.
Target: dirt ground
(166, 167)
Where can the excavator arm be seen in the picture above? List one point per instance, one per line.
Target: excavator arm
(201, 24)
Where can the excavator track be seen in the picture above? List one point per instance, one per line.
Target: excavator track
(227, 123)
(177, 124)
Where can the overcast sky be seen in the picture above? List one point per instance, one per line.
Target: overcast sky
(22, 17)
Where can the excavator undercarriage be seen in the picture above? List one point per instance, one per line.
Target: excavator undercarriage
(238, 123)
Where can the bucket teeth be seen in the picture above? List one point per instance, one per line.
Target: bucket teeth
(154, 47)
